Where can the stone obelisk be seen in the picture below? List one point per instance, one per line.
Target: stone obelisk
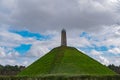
(63, 38)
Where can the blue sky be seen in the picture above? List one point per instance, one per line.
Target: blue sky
(32, 45)
(24, 48)
(29, 29)
(27, 34)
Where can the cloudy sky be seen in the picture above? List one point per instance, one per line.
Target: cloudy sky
(31, 28)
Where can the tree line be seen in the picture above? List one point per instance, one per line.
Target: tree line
(10, 70)
(114, 68)
(14, 70)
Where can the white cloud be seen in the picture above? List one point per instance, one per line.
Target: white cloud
(96, 53)
(10, 39)
(78, 42)
(104, 60)
(115, 50)
(37, 50)
(13, 54)
(94, 16)
(114, 60)
(87, 15)
(8, 4)
(2, 52)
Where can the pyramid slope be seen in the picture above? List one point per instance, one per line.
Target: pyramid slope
(66, 60)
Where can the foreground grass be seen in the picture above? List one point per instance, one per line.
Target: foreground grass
(62, 77)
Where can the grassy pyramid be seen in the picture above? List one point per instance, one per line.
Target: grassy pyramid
(68, 61)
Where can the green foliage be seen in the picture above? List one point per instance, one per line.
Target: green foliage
(114, 68)
(66, 61)
(10, 70)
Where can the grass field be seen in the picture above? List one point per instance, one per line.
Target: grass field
(66, 61)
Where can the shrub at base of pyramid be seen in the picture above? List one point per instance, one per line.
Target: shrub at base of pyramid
(68, 61)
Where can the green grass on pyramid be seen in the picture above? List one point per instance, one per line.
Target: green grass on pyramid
(68, 61)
